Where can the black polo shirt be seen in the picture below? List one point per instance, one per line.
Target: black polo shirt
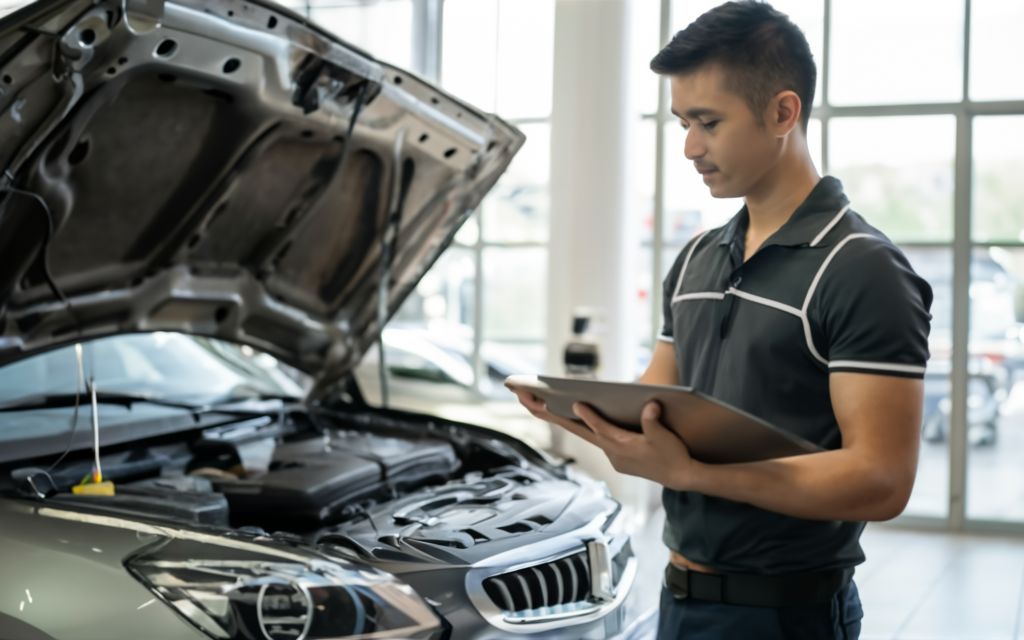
(827, 292)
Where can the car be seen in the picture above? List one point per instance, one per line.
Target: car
(994, 345)
(430, 370)
(425, 363)
(208, 213)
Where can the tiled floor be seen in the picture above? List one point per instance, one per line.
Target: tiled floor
(915, 585)
(941, 586)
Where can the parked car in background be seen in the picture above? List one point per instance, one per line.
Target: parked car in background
(208, 212)
(994, 345)
(433, 364)
(431, 371)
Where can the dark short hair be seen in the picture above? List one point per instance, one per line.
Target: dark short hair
(760, 48)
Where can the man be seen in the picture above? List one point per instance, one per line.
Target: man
(796, 311)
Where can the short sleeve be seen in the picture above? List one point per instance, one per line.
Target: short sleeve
(668, 291)
(873, 311)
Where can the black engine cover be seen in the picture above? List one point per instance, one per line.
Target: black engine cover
(320, 480)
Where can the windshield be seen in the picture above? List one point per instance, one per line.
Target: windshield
(10, 6)
(168, 366)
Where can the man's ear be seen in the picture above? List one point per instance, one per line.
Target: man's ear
(784, 112)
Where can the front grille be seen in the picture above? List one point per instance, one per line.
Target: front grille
(557, 583)
(561, 586)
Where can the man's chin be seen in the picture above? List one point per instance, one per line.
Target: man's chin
(721, 191)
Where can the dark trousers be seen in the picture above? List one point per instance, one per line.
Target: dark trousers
(688, 619)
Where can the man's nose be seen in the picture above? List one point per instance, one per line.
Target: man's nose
(694, 146)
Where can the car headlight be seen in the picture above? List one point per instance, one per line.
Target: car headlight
(286, 600)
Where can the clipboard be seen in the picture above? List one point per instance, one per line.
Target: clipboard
(714, 431)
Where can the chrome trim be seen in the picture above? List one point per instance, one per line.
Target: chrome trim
(601, 586)
(551, 617)
(558, 580)
(306, 621)
(548, 552)
(543, 584)
(571, 563)
(526, 591)
(505, 593)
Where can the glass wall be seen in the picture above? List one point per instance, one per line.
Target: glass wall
(920, 127)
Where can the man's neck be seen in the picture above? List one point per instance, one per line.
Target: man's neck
(771, 203)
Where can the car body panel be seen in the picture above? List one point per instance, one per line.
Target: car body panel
(191, 165)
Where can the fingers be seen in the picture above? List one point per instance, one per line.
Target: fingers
(539, 409)
(580, 430)
(650, 420)
(530, 401)
(651, 414)
(651, 424)
(600, 426)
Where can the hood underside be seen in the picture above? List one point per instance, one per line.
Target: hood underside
(223, 169)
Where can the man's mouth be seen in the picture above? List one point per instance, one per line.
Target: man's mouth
(705, 170)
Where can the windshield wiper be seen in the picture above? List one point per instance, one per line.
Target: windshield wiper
(61, 400)
(224, 405)
(248, 397)
(221, 405)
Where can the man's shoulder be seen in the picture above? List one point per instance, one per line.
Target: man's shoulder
(856, 239)
(862, 256)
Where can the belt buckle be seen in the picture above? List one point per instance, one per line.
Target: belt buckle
(677, 581)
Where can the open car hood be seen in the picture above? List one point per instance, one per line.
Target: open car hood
(193, 166)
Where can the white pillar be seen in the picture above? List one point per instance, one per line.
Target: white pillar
(593, 234)
(592, 261)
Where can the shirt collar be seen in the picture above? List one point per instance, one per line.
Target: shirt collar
(809, 224)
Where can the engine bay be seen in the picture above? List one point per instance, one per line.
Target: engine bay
(376, 488)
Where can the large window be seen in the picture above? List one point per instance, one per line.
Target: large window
(383, 28)
(480, 311)
(918, 111)
(498, 55)
(919, 115)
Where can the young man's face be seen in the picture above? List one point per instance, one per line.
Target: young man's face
(724, 139)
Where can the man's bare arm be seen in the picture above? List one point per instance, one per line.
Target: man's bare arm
(662, 367)
(869, 478)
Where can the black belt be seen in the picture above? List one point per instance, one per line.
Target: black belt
(755, 590)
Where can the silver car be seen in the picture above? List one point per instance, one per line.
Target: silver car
(208, 212)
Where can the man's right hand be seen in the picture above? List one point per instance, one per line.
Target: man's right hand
(539, 409)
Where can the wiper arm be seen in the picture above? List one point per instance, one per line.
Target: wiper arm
(61, 400)
(248, 398)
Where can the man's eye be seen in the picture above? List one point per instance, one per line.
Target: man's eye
(710, 125)
(684, 125)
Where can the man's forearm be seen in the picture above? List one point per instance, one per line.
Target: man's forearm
(833, 485)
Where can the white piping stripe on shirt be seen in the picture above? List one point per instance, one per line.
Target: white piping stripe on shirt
(706, 295)
(686, 263)
(824, 265)
(881, 366)
(814, 286)
(768, 302)
(831, 225)
(802, 312)
(810, 339)
(666, 338)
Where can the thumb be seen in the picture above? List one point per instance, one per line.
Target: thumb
(650, 419)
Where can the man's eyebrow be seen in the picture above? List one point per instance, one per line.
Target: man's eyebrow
(696, 112)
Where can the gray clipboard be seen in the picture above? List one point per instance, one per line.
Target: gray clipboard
(714, 431)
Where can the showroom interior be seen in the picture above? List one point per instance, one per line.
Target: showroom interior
(915, 126)
(919, 111)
